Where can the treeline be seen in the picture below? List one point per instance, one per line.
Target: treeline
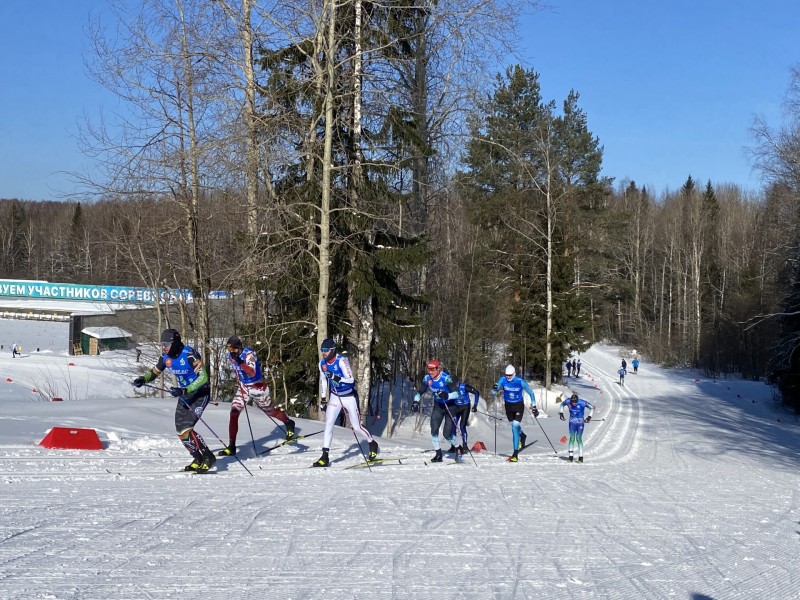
(358, 170)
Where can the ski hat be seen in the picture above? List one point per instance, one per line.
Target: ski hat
(510, 370)
(234, 342)
(171, 340)
(574, 397)
(327, 344)
(433, 365)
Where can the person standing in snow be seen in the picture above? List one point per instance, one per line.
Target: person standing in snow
(578, 368)
(461, 411)
(445, 392)
(577, 408)
(252, 387)
(621, 373)
(635, 364)
(338, 386)
(192, 391)
(512, 387)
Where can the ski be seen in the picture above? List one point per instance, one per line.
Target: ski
(158, 472)
(377, 461)
(508, 458)
(296, 438)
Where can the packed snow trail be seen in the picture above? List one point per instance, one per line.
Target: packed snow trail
(689, 490)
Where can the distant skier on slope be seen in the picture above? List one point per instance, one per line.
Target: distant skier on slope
(512, 387)
(621, 374)
(577, 408)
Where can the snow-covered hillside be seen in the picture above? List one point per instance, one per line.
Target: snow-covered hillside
(690, 489)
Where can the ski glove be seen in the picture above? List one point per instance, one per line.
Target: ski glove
(474, 409)
(237, 358)
(139, 382)
(331, 376)
(442, 395)
(561, 416)
(587, 419)
(177, 391)
(323, 404)
(535, 411)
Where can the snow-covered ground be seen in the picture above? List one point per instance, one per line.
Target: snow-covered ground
(690, 490)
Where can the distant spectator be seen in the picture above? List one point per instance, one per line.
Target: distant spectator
(635, 364)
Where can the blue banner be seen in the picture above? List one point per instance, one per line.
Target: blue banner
(92, 293)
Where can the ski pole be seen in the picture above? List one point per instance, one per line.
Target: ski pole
(277, 424)
(199, 418)
(250, 427)
(545, 435)
(361, 449)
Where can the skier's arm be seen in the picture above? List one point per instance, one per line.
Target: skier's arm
(323, 382)
(476, 393)
(452, 388)
(246, 364)
(497, 388)
(202, 375)
(528, 389)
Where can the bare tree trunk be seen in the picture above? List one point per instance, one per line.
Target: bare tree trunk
(327, 167)
(251, 166)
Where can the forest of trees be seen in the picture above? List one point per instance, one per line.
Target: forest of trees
(361, 170)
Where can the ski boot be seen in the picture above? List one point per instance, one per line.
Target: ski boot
(208, 461)
(513, 457)
(580, 459)
(229, 450)
(438, 456)
(289, 430)
(197, 460)
(459, 454)
(571, 458)
(323, 460)
(373, 450)
(522, 438)
(452, 449)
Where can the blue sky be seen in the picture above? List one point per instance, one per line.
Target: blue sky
(670, 88)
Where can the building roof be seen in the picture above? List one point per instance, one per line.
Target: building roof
(106, 333)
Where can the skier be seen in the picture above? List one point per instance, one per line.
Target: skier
(252, 387)
(568, 365)
(461, 412)
(621, 376)
(578, 368)
(445, 392)
(192, 392)
(635, 364)
(512, 387)
(574, 368)
(624, 364)
(336, 379)
(577, 408)
(14, 351)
